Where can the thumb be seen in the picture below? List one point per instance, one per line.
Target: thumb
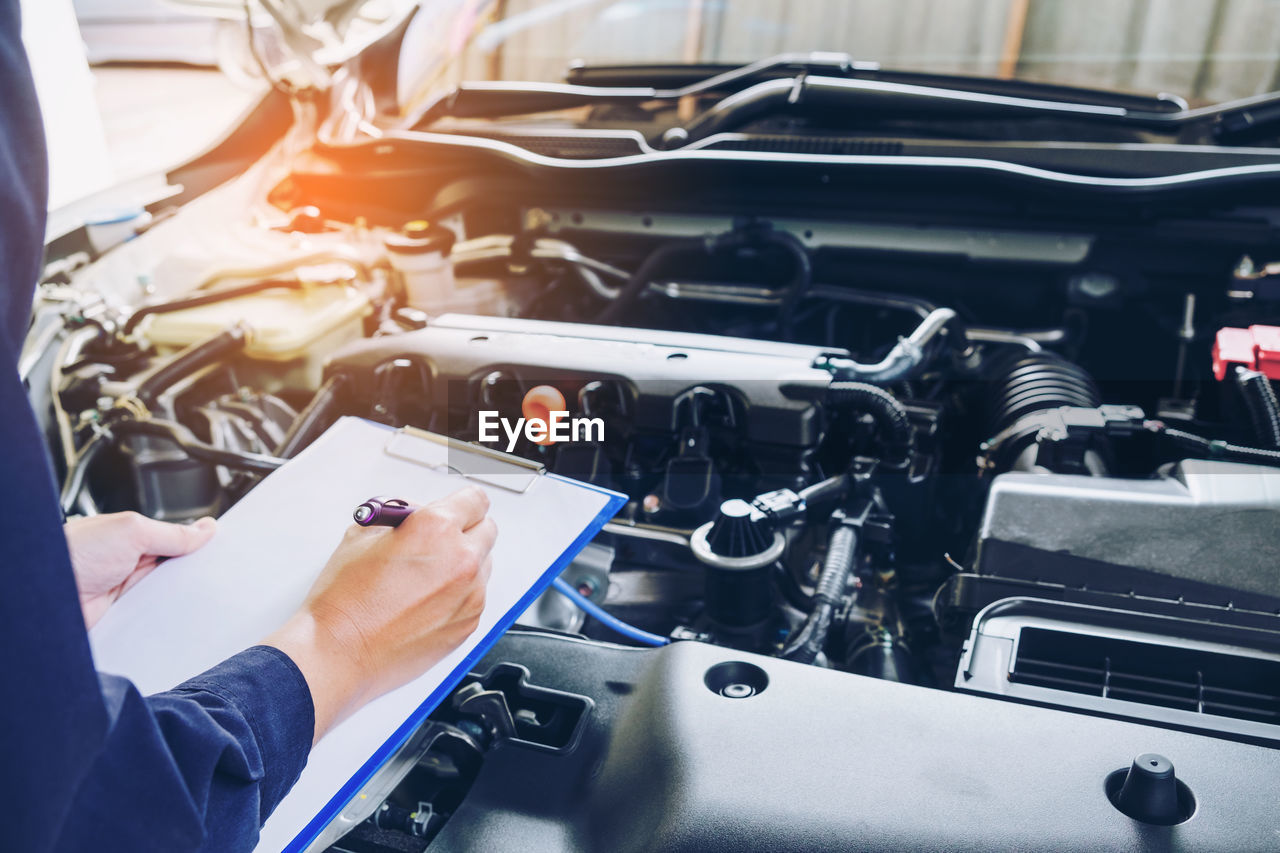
(164, 539)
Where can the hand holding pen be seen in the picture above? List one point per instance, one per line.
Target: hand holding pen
(389, 605)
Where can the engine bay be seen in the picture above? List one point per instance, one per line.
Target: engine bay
(997, 443)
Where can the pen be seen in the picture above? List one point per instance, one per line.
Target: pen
(382, 512)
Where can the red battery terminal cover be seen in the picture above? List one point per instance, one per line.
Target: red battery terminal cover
(1257, 348)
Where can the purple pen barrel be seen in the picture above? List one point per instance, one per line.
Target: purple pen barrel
(382, 512)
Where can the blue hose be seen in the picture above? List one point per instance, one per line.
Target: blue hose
(602, 616)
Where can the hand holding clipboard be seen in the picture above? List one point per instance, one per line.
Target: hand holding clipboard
(271, 548)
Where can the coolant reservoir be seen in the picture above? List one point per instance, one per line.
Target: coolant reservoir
(301, 325)
(420, 255)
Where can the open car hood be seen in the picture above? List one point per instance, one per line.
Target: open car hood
(313, 35)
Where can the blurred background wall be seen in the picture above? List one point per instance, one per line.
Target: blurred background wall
(1204, 50)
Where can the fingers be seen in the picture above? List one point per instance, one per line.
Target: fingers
(138, 574)
(466, 507)
(170, 540)
(482, 536)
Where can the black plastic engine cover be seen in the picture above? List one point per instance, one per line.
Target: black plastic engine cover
(1208, 533)
(822, 760)
(774, 383)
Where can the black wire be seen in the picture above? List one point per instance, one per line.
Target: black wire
(791, 589)
(891, 418)
(1213, 448)
(807, 642)
(801, 279)
(832, 487)
(630, 294)
(194, 447)
(207, 299)
(73, 483)
(315, 418)
(1260, 399)
(215, 349)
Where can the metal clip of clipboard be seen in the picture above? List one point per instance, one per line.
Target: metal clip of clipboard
(473, 461)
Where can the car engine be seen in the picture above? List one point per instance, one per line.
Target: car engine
(885, 462)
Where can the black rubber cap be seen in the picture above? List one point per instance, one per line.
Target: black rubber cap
(740, 530)
(1150, 791)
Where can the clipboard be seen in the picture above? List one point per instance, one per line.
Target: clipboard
(200, 609)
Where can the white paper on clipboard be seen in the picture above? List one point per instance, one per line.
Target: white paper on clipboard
(200, 609)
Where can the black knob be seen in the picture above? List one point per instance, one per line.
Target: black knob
(1149, 792)
(739, 530)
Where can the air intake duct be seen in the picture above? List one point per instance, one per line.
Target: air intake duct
(1036, 383)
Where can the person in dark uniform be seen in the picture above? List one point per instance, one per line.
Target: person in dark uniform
(86, 762)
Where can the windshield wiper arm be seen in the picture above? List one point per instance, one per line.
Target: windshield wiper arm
(816, 93)
(816, 88)
(880, 99)
(676, 75)
(598, 84)
(475, 99)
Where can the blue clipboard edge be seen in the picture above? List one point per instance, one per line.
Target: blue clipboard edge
(401, 735)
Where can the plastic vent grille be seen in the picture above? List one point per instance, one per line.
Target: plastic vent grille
(567, 147)
(812, 145)
(1223, 685)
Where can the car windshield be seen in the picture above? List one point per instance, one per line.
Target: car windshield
(1205, 51)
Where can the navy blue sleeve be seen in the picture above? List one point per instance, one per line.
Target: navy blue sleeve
(89, 764)
(199, 767)
(86, 763)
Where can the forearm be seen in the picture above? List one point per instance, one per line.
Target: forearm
(329, 664)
